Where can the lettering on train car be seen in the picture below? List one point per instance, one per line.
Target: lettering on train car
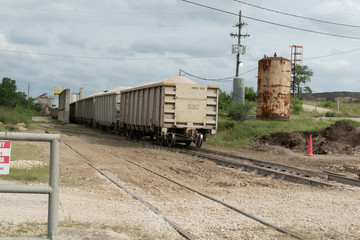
(193, 106)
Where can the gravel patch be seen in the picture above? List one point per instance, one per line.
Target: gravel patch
(27, 164)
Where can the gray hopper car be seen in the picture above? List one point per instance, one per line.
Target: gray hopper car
(172, 111)
(107, 110)
(82, 111)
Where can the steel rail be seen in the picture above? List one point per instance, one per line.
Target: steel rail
(259, 170)
(276, 166)
(212, 198)
(181, 231)
(282, 167)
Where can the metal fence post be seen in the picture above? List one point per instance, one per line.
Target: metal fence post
(54, 183)
(54, 172)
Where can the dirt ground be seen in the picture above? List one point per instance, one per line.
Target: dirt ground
(89, 201)
(340, 140)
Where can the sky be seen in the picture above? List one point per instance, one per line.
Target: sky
(101, 45)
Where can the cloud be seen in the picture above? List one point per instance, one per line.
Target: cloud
(170, 33)
(31, 37)
(73, 39)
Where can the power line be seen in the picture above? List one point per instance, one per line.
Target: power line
(272, 23)
(227, 79)
(212, 8)
(301, 29)
(330, 55)
(298, 16)
(107, 58)
(183, 73)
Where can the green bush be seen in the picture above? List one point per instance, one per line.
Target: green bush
(329, 114)
(250, 94)
(296, 101)
(297, 109)
(225, 123)
(297, 105)
(329, 104)
(240, 111)
(225, 100)
(14, 116)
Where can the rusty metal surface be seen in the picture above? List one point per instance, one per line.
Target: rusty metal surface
(274, 83)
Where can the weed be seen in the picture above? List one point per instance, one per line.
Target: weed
(241, 134)
(15, 116)
(240, 111)
(26, 151)
(329, 104)
(37, 174)
(297, 105)
(329, 114)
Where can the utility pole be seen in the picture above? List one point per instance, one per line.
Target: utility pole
(238, 49)
(238, 83)
(28, 91)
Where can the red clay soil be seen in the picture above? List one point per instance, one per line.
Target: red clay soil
(339, 138)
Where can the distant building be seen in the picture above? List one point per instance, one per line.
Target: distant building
(46, 102)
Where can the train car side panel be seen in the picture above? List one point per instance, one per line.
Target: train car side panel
(107, 110)
(190, 105)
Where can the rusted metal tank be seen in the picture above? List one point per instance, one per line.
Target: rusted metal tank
(274, 83)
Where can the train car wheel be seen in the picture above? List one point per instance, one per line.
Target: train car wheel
(171, 140)
(199, 140)
(151, 136)
(125, 132)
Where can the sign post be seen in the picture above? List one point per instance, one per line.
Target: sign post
(5, 150)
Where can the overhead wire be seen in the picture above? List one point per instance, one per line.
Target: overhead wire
(109, 58)
(297, 16)
(334, 54)
(272, 23)
(202, 78)
(226, 79)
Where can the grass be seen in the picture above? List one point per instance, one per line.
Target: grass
(39, 229)
(30, 229)
(233, 134)
(26, 152)
(37, 174)
(133, 232)
(346, 109)
(14, 116)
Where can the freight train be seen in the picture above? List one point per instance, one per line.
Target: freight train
(173, 110)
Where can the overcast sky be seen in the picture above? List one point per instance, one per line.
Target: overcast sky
(101, 45)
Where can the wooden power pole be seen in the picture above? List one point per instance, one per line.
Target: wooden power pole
(238, 49)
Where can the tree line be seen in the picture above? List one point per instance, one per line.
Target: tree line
(10, 98)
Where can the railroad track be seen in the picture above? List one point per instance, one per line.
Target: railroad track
(178, 228)
(261, 167)
(276, 170)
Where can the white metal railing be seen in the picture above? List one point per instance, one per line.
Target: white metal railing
(52, 189)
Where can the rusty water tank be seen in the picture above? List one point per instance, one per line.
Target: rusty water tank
(274, 83)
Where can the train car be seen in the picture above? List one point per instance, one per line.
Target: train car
(173, 110)
(82, 111)
(107, 109)
(72, 113)
(54, 112)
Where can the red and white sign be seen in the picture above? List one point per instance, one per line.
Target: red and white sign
(5, 150)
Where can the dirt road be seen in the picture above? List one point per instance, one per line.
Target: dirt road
(89, 201)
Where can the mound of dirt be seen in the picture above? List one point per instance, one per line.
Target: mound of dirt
(339, 138)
